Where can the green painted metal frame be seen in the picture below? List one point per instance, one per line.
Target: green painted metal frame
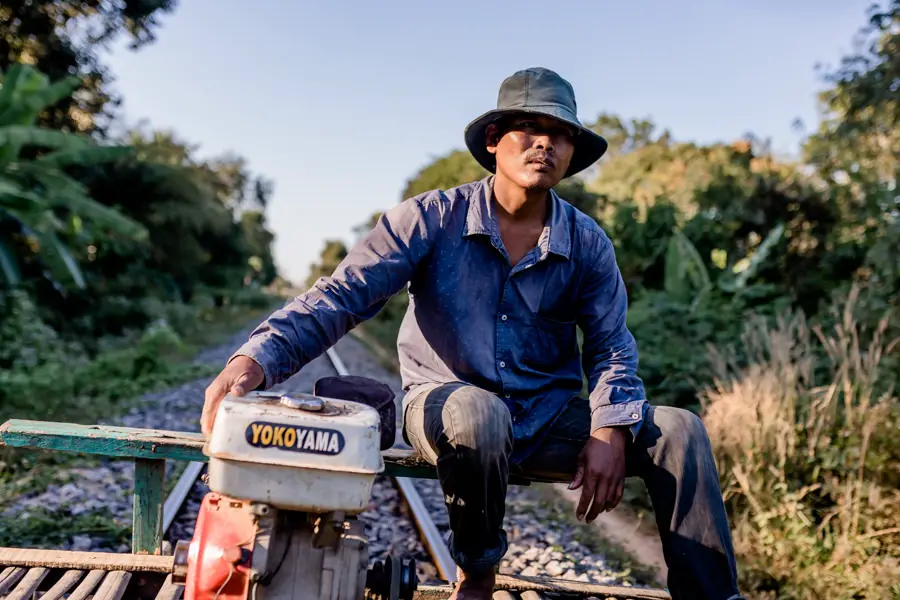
(150, 448)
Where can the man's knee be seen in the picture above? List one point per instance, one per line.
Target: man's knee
(680, 429)
(473, 419)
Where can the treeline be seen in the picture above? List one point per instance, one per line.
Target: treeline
(116, 249)
(761, 295)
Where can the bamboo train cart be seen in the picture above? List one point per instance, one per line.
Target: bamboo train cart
(329, 551)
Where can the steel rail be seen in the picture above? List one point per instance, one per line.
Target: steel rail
(429, 531)
(179, 493)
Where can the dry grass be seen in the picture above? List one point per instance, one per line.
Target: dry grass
(808, 468)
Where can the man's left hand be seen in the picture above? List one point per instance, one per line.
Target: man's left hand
(601, 470)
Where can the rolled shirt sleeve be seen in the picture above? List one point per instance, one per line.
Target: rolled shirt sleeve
(375, 269)
(609, 353)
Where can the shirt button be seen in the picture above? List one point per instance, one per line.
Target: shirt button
(634, 415)
(506, 395)
(502, 364)
(502, 317)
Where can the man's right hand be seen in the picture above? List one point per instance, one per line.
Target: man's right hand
(241, 375)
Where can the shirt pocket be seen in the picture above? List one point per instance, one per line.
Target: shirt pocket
(551, 343)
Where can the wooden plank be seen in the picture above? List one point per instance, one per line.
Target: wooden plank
(399, 462)
(11, 578)
(87, 586)
(113, 586)
(63, 585)
(545, 586)
(68, 559)
(128, 442)
(169, 590)
(146, 532)
(29, 584)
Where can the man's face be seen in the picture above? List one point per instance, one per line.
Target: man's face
(533, 151)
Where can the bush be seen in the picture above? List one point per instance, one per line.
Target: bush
(804, 438)
(672, 335)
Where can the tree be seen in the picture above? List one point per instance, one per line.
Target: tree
(856, 154)
(332, 254)
(65, 37)
(445, 172)
(39, 201)
(857, 148)
(203, 226)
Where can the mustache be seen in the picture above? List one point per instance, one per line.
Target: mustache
(539, 155)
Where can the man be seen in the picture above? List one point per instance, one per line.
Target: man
(501, 272)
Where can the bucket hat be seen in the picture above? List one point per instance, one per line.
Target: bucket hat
(543, 92)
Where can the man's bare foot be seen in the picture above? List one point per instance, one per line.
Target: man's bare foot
(473, 587)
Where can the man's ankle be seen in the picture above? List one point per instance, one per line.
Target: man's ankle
(481, 576)
(474, 586)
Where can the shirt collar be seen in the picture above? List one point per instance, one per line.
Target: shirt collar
(481, 220)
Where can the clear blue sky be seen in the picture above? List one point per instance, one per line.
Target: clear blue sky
(341, 102)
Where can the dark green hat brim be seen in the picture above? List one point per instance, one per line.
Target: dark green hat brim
(589, 145)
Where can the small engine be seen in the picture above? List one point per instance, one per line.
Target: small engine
(288, 475)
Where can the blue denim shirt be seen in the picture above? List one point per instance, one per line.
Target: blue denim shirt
(472, 317)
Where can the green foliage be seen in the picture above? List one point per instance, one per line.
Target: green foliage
(206, 226)
(687, 279)
(856, 147)
(809, 476)
(42, 528)
(334, 252)
(40, 201)
(641, 244)
(43, 376)
(672, 335)
(40, 33)
(35, 363)
(448, 171)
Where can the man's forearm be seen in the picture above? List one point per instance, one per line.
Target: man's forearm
(617, 395)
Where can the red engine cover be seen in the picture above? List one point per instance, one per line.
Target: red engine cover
(220, 551)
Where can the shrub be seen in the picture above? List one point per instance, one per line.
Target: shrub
(803, 423)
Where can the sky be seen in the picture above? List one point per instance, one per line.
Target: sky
(341, 102)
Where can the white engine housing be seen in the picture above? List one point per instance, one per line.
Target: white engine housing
(317, 459)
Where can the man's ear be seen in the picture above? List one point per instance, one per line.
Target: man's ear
(492, 138)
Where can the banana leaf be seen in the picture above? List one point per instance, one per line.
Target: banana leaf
(13, 196)
(59, 260)
(11, 84)
(8, 264)
(64, 192)
(53, 253)
(84, 156)
(27, 135)
(686, 276)
(36, 101)
(734, 282)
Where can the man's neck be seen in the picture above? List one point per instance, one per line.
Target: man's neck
(520, 205)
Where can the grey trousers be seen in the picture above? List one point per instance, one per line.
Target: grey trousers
(466, 432)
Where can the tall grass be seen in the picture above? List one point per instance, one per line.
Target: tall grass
(806, 429)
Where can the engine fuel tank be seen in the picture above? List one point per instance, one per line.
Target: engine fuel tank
(295, 452)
